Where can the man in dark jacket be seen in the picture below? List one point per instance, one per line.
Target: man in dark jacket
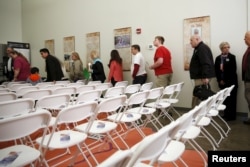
(246, 73)
(53, 66)
(201, 67)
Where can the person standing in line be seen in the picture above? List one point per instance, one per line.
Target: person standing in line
(138, 71)
(76, 67)
(115, 68)
(162, 63)
(97, 68)
(225, 70)
(246, 73)
(52, 65)
(201, 67)
(9, 65)
(21, 66)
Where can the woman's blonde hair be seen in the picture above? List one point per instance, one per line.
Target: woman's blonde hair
(223, 44)
(93, 54)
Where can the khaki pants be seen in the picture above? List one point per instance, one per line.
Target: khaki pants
(163, 80)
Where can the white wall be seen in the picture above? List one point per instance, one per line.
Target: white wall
(55, 19)
(10, 21)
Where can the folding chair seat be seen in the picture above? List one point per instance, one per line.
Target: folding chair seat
(101, 127)
(146, 86)
(163, 106)
(130, 115)
(21, 154)
(68, 137)
(122, 83)
(6, 96)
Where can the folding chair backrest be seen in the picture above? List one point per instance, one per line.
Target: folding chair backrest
(84, 88)
(155, 93)
(24, 125)
(2, 86)
(65, 90)
(138, 98)
(114, 91)
(92, 95)
(22, 90)
(94, 82)
(121, 83)
(15, 87)
(53, 101)
(146, 86)
(42, 85)
(16, 107)
(169, 91)
(76, 113)
(130, 89)
(103, 86)
(37, 94)
(153, 145)
(111, 104)
(63, 82)
(6, 96)
(4, 90)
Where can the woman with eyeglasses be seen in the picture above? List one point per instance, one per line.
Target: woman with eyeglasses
(225, 69)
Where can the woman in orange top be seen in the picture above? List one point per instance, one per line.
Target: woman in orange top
(115, 67)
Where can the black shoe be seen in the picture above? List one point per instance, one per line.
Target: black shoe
(247, 122)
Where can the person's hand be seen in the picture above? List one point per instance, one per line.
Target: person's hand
(205, 81)
(222, 82)
(151, 67)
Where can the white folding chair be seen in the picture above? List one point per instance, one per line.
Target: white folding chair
(22, 90)
(94, 82)
(3, 86)
(130, 115)
(146, 86)
(37, 94)
(163, 106)
(130, 89)
(6, 96)
(64, 82)
(54, 86)
(21, 154)
(84, 88)
(101, 127)
(114, 91)
(156, 147)
(174, 98)
(4, 90)
(122, 83)
(66, 90)
(92, 95)
(9, 84)
(15, 87)
(13, 108)
(63, 139)
(42, 85)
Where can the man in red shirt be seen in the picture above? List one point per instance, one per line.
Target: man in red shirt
(162, 63)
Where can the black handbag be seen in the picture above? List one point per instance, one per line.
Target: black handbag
(203, 92)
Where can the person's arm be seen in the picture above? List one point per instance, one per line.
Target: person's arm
(16, 73)
(158, 63)
(136, 69)
(111, 70)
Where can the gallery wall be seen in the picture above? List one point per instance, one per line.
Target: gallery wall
(56, 19)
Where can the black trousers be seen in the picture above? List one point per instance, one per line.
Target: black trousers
(141, 79)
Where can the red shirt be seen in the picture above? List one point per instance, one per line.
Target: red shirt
(166, 67)
(24, 67)
(115, 71)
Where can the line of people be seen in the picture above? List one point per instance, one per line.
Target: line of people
(202, 68)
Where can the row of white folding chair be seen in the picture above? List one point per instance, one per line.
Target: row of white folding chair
(15, 87)
(2, 86)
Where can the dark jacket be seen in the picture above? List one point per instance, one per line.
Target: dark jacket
(246, 74)
(202, 63)
(98, 72)
(53, 69)
(228, 75)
